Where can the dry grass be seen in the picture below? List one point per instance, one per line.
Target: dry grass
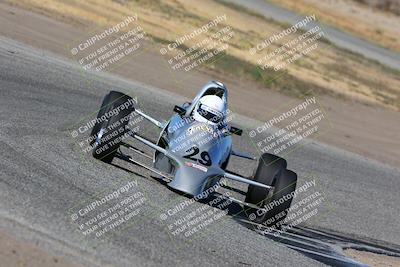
(327, 70)
(367, 21)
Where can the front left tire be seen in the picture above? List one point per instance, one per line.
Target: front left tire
(111, 126)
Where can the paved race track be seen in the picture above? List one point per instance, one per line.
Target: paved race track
(44, 175)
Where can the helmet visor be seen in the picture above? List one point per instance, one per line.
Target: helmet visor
(209, 114)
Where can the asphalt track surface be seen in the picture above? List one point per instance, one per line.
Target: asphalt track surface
(339, 38)
(45, 175)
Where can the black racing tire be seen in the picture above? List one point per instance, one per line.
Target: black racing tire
(110, 132)
(269, 167)
(271, 171)
(279, 204)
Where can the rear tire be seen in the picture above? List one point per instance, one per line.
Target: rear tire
(110, 132)
(271, 171)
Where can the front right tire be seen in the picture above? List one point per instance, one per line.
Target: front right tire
(273, 206)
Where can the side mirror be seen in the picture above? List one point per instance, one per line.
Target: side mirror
(180, 110)
(235, 130)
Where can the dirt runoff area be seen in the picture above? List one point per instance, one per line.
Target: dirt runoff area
(15, 252)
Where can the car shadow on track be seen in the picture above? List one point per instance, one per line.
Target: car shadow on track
(321, 245)
(127, 170)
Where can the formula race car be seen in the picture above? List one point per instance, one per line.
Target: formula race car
(193, 151)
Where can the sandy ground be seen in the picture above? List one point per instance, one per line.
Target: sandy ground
(372, 259)
(15, 252)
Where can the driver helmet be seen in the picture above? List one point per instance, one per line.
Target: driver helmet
(209, 109)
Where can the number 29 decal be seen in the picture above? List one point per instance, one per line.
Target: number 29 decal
(204, 159)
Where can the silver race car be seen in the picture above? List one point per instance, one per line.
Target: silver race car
(193, 151)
